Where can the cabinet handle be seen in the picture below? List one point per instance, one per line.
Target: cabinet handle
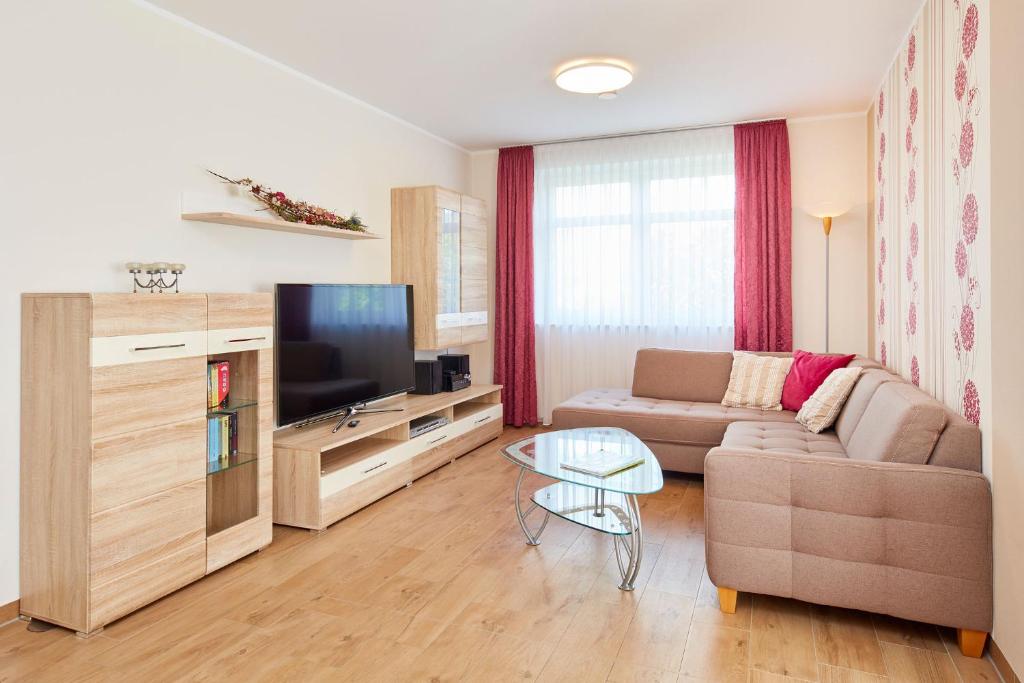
(245, 339)
(483, 419)
(155, 348)
(443, 436)
(375, 467)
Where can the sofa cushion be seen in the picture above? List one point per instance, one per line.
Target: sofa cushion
(858, 400)
(675, 375)
(782, 437)
(808, 372)
(756, 381)
(819, 412)
(686, 422)
(900, 424)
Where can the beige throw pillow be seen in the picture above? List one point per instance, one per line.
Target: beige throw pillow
(756, 381)
(820, 411)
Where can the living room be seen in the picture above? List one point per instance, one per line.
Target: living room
(472, 341)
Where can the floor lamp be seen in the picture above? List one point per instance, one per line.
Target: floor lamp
(826, 224)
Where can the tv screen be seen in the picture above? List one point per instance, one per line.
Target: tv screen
(341, 345)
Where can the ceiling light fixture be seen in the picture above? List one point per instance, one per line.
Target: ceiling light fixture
(594, 77)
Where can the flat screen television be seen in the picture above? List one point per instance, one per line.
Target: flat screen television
(341, 345)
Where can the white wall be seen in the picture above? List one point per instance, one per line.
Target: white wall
(1007, 289)
(111, 110)
(828, 157)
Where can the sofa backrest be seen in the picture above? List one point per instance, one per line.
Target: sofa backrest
(959, 445)
(900, 424)
(676, 375)
(857, 403)
(699, 376)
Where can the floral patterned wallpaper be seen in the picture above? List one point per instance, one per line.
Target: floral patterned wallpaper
(930, 201)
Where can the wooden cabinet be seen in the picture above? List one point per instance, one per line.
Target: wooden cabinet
(439, 246)
(120, 504)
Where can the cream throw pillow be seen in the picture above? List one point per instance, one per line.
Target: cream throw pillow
(756, 381)
(822, 408)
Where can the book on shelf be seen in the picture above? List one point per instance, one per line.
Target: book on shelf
(218, 382)
(225, 436)
(213, 439)
(600, 463)
(221, 437)
(233, 434)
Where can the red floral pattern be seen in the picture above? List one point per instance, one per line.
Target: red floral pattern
(960, 81)
(966, 143)
(969, 220)
(969, 37)
(972, 402)
(915, 371)
(967, 327)
(960, 260)
(915, 239)
(913, 106)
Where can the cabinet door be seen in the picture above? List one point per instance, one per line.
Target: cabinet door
(449, 270)
(473, 255)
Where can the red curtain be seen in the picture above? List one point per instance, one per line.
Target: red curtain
(764, 218)
(514, 356)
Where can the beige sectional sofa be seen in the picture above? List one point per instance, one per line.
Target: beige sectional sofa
(888, 512)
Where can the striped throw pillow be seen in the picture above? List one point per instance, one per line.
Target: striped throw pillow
(820, 411)
(756, 381)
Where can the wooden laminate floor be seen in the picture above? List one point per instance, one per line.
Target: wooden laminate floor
(435, 583)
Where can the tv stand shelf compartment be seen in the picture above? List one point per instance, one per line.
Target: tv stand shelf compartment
(321, 477)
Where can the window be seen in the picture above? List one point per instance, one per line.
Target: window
(633, 246)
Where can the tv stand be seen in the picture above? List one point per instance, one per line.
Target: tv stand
(322, 476)
(352, 411)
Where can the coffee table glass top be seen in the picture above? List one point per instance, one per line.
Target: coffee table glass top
(544, 453)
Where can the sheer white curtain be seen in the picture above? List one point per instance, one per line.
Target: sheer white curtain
(633, 247)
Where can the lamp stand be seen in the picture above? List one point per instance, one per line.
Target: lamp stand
(827, 225)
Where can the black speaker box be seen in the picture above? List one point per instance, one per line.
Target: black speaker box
(455, 362)
(428, 377)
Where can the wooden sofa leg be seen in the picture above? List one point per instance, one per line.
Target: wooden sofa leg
(972, 643)
(727, 599)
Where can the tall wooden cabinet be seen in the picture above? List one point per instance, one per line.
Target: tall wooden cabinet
(120, 504)
(439, 245)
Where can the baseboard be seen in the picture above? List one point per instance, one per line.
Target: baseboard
(1002, 664)
(9, 612)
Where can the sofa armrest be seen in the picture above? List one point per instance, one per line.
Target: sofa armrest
(913, 541)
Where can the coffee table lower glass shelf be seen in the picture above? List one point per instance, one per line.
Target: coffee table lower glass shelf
(608, 505)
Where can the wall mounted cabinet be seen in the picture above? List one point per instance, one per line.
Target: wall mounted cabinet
(439, 245)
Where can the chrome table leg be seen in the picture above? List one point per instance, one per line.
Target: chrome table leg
(633, 550)
(532, 537)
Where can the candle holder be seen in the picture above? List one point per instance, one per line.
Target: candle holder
(156, 272)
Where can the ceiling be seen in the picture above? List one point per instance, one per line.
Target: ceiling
(479, 73)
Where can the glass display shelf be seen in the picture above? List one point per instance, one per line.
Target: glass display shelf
(229, 462)
(233, 405)
(601, 510)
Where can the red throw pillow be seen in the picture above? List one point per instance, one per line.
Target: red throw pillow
(806, 374)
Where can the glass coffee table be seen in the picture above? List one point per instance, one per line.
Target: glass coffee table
(605, 504)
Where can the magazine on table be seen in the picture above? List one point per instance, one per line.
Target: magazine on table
(601, 463)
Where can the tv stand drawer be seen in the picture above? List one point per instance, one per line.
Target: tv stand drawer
(454, 446)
